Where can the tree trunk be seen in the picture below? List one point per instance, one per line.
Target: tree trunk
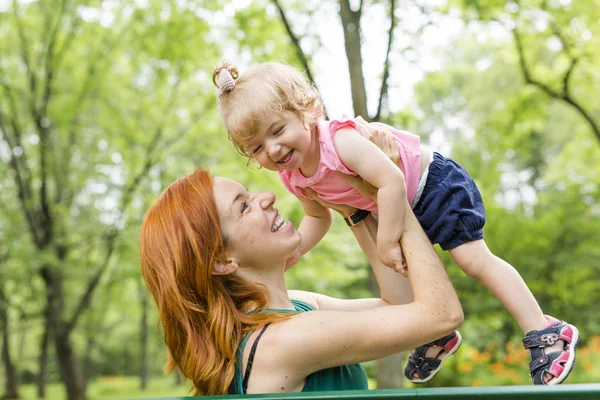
(88, 362)
(351, 27)
(43, 360)
(143, 339)
(70, 373)
(178, 378)
(390, 372)
(12, 383)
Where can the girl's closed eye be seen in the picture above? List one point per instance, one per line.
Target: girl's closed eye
(256, 149)
(279, 130)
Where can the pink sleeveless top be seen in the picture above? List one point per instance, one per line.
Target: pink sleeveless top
(334, 189)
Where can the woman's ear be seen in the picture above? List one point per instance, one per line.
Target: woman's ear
(225, 268)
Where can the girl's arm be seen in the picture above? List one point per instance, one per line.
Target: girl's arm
(324, 339)
(314, 225)
(394, 288)
(370, 163)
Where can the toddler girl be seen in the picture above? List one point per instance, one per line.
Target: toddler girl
(274, 116)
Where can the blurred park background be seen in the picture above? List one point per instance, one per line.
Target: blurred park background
(103, 103)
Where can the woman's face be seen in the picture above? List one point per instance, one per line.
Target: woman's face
(257, 235)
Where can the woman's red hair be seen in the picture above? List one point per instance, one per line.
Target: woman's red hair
(204, 316)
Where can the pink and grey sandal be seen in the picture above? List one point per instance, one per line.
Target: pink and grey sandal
(559, 364)
(428, 367)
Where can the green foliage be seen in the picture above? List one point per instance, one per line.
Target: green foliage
(131, 97)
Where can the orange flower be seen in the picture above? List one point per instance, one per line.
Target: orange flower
(588, 366)
(497, 367)
(465, 367)
(595, 343)
(481, 357)
(477, 382)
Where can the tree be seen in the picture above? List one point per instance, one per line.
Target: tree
(561, 39)
(63, 99)
(12, 383)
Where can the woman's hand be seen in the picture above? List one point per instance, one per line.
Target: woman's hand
(381, 137)
(293, 260)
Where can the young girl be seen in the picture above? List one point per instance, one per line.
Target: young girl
(273, 115)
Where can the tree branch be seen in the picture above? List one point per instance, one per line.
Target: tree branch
(25, 56)
(567, 77)
(111, 237)
(296, 42)
(546, 89)
(23, 183)
(42, 123)
(386, 66)
(49, 59)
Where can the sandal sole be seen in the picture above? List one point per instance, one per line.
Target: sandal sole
(570, 362)
(435, 371)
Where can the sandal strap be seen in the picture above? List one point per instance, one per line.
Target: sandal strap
(423, 365)
(541, 362)
(546, 337)
(548, 363)
(443, 341)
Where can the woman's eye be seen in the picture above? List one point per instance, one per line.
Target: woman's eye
(257, 149)
(244, 206)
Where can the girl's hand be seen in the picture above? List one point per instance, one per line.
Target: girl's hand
(393, 257)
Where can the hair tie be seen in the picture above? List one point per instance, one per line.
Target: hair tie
(226, 82)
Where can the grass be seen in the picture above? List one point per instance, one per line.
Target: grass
(113, 387)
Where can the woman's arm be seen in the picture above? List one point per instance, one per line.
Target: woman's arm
(324, 339)
(394, 288)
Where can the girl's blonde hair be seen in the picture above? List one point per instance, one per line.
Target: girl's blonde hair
(267, 88)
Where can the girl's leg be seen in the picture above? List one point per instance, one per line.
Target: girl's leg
(501, 278)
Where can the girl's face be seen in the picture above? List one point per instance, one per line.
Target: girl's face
(257, 235)
(282, 142)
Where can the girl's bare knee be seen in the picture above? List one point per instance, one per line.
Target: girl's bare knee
(474, 268)
(473, 258)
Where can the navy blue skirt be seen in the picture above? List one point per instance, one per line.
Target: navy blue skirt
(450, 209)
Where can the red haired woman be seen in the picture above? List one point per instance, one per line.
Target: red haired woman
(213, 257)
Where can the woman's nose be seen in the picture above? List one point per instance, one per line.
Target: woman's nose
(266, 199)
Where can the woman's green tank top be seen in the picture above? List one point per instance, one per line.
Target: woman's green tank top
(344, 377)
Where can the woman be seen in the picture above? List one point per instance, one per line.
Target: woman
(213, 257)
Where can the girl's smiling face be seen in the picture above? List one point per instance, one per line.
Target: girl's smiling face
(282, 142)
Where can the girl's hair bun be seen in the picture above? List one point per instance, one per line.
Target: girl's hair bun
(224, 78)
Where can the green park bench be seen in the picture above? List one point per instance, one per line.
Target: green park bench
(561, 392)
